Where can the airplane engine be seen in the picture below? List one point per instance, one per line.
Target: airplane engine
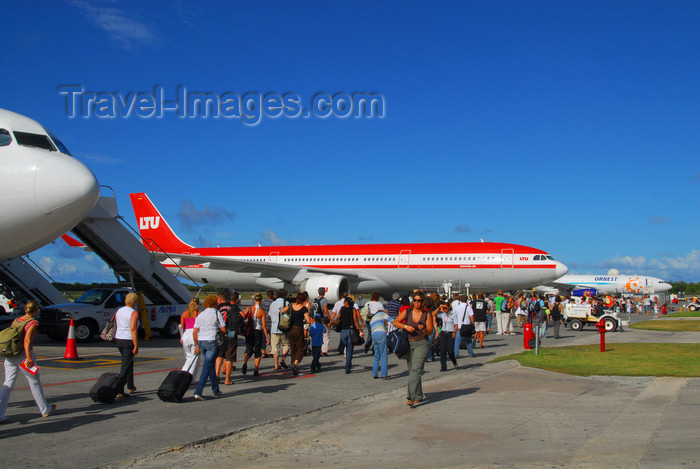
(333, 284)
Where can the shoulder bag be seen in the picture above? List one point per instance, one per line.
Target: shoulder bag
(109, 331)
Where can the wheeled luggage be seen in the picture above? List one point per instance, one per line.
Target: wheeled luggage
(107, 387)
(175, 386)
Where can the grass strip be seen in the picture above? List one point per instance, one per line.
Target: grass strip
(618, 360)
(676, 325)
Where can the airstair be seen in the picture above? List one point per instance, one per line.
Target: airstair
(22, 281)
(106, 233)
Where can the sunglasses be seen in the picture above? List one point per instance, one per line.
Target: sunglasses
(419, 300)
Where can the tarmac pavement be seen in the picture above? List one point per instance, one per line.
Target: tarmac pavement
(480, 415)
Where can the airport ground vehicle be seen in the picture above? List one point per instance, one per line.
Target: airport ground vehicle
(93, 309)
(693, 306)
(577, 316)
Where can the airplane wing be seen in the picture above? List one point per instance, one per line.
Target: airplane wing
(268, 269)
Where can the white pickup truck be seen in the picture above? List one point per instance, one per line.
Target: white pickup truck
(93, 309)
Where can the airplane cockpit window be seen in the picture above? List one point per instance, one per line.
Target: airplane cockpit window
(550, 258)
(34, 140)
(537, 257)
(5, 138)
(61, 147)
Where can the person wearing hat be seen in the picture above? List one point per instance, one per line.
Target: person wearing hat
(316, 333)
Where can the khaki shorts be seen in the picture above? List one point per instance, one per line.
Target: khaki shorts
(480, 326)
(278, 341)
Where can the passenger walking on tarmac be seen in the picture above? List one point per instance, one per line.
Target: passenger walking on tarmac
(205, 326)
(555, 315)
(479, 306)
(419, 325)
(349, 318)
(13, 364)
(187, 340)
(325, 319)
(224, 306)
(230, 350)
(378, 329)
(296, 335)
(279, 345)
(373, 307)
(316, 332)
(258, 337)
(499, 312)
(336, 312)
(447, 335)
(127, 339)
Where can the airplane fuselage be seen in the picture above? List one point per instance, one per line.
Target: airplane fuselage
(391, 267)
(44, 190)
(613, 284)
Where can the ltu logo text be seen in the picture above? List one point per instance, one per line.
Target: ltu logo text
(146, 223)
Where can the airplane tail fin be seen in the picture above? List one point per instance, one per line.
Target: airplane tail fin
(155, 231)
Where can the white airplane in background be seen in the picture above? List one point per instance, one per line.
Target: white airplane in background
(44, 191)
(612, 283)
(384, 268)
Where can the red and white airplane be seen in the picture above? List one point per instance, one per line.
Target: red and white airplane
(385, 268)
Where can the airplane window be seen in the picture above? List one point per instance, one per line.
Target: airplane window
(536, 258)
(5, 138)
(34, 140)
(550, 258)
(61, 147)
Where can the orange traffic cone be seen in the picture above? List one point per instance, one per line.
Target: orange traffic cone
(71, 348)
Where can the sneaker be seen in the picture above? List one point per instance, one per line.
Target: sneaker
(284, 365)
(244, 368)
(51, 410)
(295, 370)
(256, 373)
(197, 397)
(218, 394)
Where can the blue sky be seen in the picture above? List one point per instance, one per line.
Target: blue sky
(573, 127)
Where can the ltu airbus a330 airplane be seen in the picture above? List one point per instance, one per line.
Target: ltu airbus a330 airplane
(385, 268)
(611, 284)
(44, 191)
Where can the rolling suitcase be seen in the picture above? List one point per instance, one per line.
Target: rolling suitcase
(175, 386)
(107, 387)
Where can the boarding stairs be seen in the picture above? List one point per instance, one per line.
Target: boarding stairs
(20, 279)
(106, 233)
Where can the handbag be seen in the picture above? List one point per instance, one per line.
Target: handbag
(398, 342)
(109, 331)
(221, 339)
(355, 337)
(467, 330)
(335, 325)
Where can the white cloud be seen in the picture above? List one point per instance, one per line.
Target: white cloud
(102, 159)
(128, 32)
(683, 267)
(271, 238)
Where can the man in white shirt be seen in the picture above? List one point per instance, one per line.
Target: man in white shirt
(278, 339)
(463, 315)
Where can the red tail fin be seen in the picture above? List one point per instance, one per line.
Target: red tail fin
(155, 231)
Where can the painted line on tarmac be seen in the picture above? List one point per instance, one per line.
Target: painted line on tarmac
(95, 379)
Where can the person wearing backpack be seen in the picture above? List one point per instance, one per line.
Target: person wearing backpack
(24, 329)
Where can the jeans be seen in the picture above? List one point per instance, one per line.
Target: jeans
(415, 359)
(489, 320)
(208, 349)
(470, 345)
(126, 348)
(431, 356)
(380, 353)
(348, 347)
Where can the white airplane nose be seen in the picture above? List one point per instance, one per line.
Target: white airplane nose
(561, 269)
(65, 187)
